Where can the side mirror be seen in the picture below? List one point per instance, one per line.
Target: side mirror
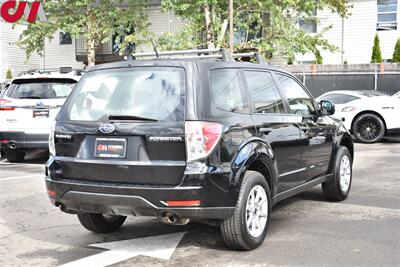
(327, 107)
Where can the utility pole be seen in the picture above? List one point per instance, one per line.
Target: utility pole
(342, 52)
(231, 26)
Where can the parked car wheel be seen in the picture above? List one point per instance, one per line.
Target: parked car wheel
(100, 223)
(368, 128)
(14, 155)
(247, 228)
(338, 188)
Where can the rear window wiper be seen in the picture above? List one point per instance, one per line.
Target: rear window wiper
(129, 118)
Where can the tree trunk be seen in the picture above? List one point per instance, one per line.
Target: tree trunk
(91, 53)
(221, 35)
(209, 33)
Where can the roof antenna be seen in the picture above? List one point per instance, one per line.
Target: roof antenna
(154, 47)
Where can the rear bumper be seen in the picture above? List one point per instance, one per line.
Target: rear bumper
(78, 201)
(22, 140)
(72, 196)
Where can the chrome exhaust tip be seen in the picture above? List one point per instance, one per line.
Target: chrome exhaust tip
(12, 145)
(173, 219)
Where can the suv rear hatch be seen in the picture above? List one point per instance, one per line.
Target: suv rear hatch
(124, 126)
(31, 104)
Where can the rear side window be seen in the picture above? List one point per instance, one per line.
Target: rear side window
(156, 93)
(340, 98)
(264, 92)
(41, 89)
(227, 93)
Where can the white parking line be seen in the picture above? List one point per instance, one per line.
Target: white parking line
(21, 177)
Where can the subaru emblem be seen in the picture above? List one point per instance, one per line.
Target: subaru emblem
(107, 128)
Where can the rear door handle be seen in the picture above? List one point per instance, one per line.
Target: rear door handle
(266, 130)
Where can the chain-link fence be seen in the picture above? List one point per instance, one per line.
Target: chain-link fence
(320, 83)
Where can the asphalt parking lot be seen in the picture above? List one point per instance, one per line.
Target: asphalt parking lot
(305, 230)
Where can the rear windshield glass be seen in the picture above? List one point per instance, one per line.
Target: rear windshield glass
(150, 93)
(40, 89)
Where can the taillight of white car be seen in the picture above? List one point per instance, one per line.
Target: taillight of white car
(5, 105)
(201, 138)
(52, 145)
(349, 109)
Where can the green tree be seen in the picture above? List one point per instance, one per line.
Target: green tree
(376, 51)
(268, 26)
(318, 58)
(9, 75)
(396, 54)
(97, 21)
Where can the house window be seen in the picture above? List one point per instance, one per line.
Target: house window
(387, 15)
(309, 25)
(65, 38)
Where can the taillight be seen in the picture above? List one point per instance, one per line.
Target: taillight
(201, 138)
(4, 105)
(52, 144)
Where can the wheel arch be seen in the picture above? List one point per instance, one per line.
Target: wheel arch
(347, 141)
(256, 155)
(366, 112)
(261, 167)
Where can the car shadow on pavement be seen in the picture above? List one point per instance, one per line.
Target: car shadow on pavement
(34, 157)
(70, 241)
(394, 139)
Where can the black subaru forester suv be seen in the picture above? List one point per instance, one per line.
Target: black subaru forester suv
(193, 139)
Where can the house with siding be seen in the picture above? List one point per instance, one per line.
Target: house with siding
(354, 35)
(11, 56)
(64, 51)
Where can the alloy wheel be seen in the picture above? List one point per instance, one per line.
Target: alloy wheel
(368, 129)
(345, 174)
(256, 211)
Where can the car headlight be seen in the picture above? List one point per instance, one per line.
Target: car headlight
(52, 145)
(349, 109)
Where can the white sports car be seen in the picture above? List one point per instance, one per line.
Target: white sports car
(369, 115)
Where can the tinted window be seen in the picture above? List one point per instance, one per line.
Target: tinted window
(37, 89)
(340, 98)
(153, 93)
(264, 92)
(227, 90)
(299, 101)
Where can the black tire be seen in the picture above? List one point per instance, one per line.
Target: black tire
(15, 155)
(234, 230)
(368, 128)
(332, 189)
(99, 223)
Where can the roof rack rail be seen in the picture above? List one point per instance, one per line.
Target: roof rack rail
(216, 53)
(62, 70)
(193, 53)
